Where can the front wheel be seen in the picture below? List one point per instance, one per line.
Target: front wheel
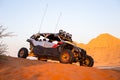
(23, 53)
(66, 56)
(89, 62)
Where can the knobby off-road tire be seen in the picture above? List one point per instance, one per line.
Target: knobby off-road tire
(66, 56)
(88, 62)
(23, 53)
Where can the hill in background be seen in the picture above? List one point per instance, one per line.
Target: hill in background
(105, 49)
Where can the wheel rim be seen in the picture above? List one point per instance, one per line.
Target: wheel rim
(87, 61)
(65, 57)
(21, 53)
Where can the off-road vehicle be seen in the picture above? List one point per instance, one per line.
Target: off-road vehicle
(56, 46)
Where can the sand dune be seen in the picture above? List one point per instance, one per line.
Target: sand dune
(105, 49)
(23, 69)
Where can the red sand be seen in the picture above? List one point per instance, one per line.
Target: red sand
(23, 69)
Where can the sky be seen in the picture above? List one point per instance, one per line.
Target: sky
(84, 19)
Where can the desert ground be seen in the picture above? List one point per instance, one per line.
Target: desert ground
(25, 69)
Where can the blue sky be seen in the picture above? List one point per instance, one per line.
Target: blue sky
(84, 19)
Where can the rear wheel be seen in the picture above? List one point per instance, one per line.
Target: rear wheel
(87, 62)
(23, 53)
(66, 56)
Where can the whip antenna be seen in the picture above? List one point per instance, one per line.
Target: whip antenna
(58, 21)
(43, 17)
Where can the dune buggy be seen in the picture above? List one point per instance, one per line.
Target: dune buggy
(56, 46)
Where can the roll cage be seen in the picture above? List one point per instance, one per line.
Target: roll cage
(56, 37)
